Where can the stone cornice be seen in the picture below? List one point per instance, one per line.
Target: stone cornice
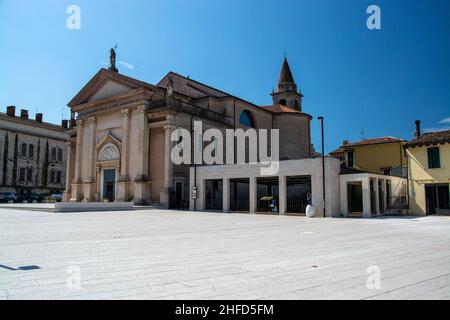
(139, 95)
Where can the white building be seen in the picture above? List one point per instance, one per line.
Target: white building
(244, 188)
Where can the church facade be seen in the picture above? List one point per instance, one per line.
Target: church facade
(120, 133)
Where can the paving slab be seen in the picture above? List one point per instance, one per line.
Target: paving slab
(165, 254)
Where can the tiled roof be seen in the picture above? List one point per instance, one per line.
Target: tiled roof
(338, 150)
(373, 141)
(430, 138)
(190, 87)
(278, 108)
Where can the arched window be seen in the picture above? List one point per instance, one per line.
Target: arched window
(246, 119)
(59, 154)
(282, 102)
(31, 151)
(54, 153)
(296, 105)
(23, 151)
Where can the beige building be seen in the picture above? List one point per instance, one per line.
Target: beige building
(32, 155)
(120, 147)
(428, 157)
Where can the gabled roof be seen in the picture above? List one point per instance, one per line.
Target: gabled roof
(430, 138)
(285, 74)
(190, 87)
(100, 79)
(195, 89)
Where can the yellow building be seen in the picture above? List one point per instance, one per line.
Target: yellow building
(428, 157)
(378, 155)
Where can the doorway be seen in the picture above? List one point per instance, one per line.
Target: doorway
(214, 195)
(355, 198)
(240, 194)
(109, 184)
(437, 199)
(298, 189)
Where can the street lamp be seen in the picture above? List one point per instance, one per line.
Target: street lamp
(323, 166)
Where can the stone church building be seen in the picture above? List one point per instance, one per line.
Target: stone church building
(120, 146)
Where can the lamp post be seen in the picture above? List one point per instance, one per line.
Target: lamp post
(323, 166)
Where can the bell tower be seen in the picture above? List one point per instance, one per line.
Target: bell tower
(286, 92)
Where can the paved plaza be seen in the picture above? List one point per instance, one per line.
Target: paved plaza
(157, 254)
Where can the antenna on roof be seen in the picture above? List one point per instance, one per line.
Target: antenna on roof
(285, 54)
(362, 133)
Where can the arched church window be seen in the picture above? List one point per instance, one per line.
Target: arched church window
(246, 119)
(282, 102)
(23, 151)
(59, 154)
(54, 154)
(296, 105)
(30, 151)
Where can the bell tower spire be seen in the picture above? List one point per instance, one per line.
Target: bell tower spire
(286, 93)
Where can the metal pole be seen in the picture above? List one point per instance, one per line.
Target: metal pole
(323, 167)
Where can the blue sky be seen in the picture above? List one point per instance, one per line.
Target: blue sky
(372, 81)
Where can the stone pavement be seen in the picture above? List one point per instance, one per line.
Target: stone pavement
(157, 254)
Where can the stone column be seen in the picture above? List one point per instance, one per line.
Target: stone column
(253, 195)
(69, 172)
(89, 182)
(226, 195)
(282, 194)
(366, 197)
(77, 181)
(123, 180)
(377, 197)
(141, 190)
(168, 166)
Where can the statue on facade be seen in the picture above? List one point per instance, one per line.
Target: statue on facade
(112, 59)
(170, 87)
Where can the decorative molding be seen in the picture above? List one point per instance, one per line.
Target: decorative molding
(109, 152)
(125, 112)
(142, 109)
(92, 120)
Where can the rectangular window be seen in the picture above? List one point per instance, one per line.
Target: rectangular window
(29, 174)
(58, 177)
(52, 176)
(434, 160)
(350, 159)
(22, 174)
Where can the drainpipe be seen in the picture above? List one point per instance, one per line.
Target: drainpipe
(407, 181)
(195, 165)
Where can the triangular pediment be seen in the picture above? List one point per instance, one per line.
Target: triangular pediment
(109, 138)
(105, 84)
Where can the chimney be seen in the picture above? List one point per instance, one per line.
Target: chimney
(24, 113)
(417, 128)
(65, 124)
(345, 142)
(11, 111)
(39, 117)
